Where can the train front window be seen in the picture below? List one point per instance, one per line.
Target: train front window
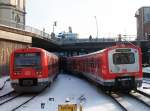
(123, 58)
(27, 60)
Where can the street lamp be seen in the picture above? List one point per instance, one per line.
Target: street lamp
(96, 26)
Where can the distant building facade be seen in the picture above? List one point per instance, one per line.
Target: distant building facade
(68, 35)
(12, 13)
(143, 23)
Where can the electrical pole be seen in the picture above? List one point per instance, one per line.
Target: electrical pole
(96, 26)
(54, 24)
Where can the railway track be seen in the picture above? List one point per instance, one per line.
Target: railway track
(8, 97)
(26, 101)
(146, 81)
(14, 101)
(129, 101)
(4, 83)
(23, 103)
(7, 94)
(141, 96)
(123, 100)
(143, 93)
(117, 98)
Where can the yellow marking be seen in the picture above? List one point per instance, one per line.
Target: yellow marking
(67, 107)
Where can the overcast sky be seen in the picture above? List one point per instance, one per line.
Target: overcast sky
(113, 16)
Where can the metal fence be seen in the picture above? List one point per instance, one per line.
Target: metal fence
(20, 26)
(104, 39)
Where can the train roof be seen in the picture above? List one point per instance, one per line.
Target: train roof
(109, 48)
(91, 53)
(123, 46)
(33, 48)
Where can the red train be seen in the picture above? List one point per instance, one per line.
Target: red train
(32, 69)
(117, 67)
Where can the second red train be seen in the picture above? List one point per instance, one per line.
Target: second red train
(117, 67)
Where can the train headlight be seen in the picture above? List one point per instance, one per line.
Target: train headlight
(137, 73)
(38, 72)
(17, 73)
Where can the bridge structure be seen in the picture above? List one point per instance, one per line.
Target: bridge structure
(24, 36)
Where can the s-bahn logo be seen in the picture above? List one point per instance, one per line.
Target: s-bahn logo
(27, 72)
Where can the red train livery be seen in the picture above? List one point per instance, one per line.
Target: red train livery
(117, 67)
(32, 69)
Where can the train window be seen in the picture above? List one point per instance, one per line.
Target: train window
(27, 60)
(123, 58)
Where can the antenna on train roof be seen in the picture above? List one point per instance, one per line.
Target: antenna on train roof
(125, 41)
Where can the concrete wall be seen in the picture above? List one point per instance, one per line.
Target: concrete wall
(6, 48)
(15, 37)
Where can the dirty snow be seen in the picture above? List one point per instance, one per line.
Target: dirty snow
(69, 89)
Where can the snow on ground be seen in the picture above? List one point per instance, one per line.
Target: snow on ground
(2, 80)
(145, 86)
(146, 69)
(14, 103)
(7, 87)
(71, 88)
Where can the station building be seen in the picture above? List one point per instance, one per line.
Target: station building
(143, 23)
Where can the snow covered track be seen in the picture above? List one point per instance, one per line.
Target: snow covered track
(141, 97)
(143, 93)
(23, 103)
(27, 100)
(147, 81)
(116, 99)
(129, 102)
(8, 97)
(69, 89)
(4, 83)
(12, 103)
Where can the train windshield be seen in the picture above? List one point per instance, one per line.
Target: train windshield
(123, 58)
(27, 60)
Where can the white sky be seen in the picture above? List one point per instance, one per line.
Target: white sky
(114, 16)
